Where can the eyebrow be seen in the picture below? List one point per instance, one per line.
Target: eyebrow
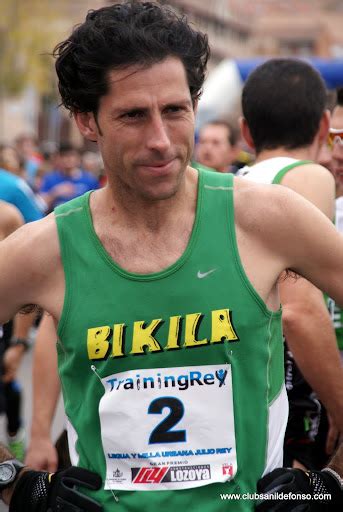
(117, 111)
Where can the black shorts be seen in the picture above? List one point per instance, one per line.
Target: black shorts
(5, 338)
(307, 425)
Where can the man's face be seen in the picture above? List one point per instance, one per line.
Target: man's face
(145, 128)
(337, 148)
(10, 160)
(68, 161)
(214, 148)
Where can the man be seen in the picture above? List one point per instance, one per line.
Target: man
(11, 351)
(27, 147)
(336, 143)
(285, 121)
(14, 190)
(335, 140)
(169, 328)
(217, 147)
(285, 480)
(68, 180)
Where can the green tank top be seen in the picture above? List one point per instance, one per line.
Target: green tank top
(278, 178)
(172, 381)
(336, 312)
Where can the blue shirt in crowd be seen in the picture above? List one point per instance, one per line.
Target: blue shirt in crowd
(16, 191)
(82, 182)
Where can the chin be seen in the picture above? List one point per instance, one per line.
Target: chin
(159, 196)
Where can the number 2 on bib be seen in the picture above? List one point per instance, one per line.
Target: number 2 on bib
(162, 433)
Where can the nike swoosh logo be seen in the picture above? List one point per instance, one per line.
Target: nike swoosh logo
(201, 275)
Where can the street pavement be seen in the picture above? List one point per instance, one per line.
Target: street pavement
(25, 379)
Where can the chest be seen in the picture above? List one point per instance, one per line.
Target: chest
(146, 252)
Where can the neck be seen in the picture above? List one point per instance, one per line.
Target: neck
(307, 153)
(141, 213)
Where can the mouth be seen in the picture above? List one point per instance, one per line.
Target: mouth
(158, 168)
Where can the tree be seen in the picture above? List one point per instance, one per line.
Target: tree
(29, 29)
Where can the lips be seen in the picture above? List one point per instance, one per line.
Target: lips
(158, 167)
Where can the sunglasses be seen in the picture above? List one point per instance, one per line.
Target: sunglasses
(335, 136)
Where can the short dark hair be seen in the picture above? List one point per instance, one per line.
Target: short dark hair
(232, 131)
(339, 93)
(283, 101)
(121, 35)
(66, 147)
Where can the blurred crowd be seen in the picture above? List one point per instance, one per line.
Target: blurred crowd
(54, 173)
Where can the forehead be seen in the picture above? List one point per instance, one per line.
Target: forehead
(138, 86)
(8, 151)
(217, 131)
(337, 118)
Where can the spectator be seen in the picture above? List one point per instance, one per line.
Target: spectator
(68, 180)
(218, 146)
(10, 161)
(26, 146)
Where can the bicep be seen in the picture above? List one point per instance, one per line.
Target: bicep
(311, 245)
(295, 291)
(18, 273)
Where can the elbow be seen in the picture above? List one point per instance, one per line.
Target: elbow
(293, 319)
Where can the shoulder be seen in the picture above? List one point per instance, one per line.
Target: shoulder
(7, 176)
(11, 218)
(315, 183)
(201, 167)
(30, 267)
(36, 241)
(278, 218)
(264, 209)
(255, 202)
(310, 170)
(8, 181)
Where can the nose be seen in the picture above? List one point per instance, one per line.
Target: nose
(157, 137)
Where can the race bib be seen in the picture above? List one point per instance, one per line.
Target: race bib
(168, 428)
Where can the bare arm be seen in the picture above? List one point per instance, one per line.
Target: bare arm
(14, 354)
(306, 322)
(11, 219)
(311, 339)
(336, 462)
(297, 236)
(30, 269)
(41, 454)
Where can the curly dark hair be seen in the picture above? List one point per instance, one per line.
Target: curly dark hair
(123, 35)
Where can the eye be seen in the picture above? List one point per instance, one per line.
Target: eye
(173, 109)
(133, 114)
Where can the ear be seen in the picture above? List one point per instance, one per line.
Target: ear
(324, 127)
(87, 125)
(235, 150)
(245, 131)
